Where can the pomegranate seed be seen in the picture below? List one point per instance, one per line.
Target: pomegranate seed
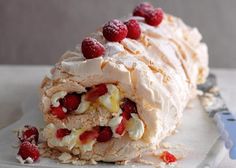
(134, 30)
(115, 31)
(28, 150)
(105, 134)
(87, 136)
(121, 127)
(154, 17)
(71, 101)
(91, 48)
(58, 112)
(96, 92)
(168, 157)
(62, 132)
(142, 8)
(29, 133)
(128, 107)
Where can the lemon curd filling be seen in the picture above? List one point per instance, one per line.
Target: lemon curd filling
(111, 100)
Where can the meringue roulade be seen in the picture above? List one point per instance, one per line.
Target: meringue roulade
(127, 94)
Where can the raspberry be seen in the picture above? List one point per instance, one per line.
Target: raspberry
(87, 136)
(115, 31)
(121, 127)
(128, 107)
(91, 48)
(105, 134)
(28, 150)
(134, 30)
(96, 92)
(71, 101)
(58, 112)
(29, 133)
(142, 9)
(168, 157)
(62, 132)
(154, 17)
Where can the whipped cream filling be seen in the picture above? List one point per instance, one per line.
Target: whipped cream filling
(113, 123)
(135, 127)
(83, 106)
(69, 141)
(56, 97)
(110, 100)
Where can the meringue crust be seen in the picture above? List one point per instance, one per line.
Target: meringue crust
(159, 72)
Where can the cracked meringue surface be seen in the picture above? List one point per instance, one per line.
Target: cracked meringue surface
(159, 72)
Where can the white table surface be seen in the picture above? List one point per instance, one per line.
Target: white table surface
(15, 80)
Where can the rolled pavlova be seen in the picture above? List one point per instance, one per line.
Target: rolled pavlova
(129, 95)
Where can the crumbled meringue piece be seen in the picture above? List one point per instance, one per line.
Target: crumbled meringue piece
(64, 157)
(20, 159)
(88, 146)
(27, 160)
(75, 151)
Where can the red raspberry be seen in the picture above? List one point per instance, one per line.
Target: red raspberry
(58, 112)
(71, 101)
(62, 132)
(96, 92)
(115, 31)
(91, 48)
(142, 8)
(128, 107)
(168, 157)
(87, 136)
(154, 17)
(105, 134)
(134, 30)
(121, 127)
(28, 150)
(29, 133)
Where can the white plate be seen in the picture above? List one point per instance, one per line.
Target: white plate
(197, 132)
